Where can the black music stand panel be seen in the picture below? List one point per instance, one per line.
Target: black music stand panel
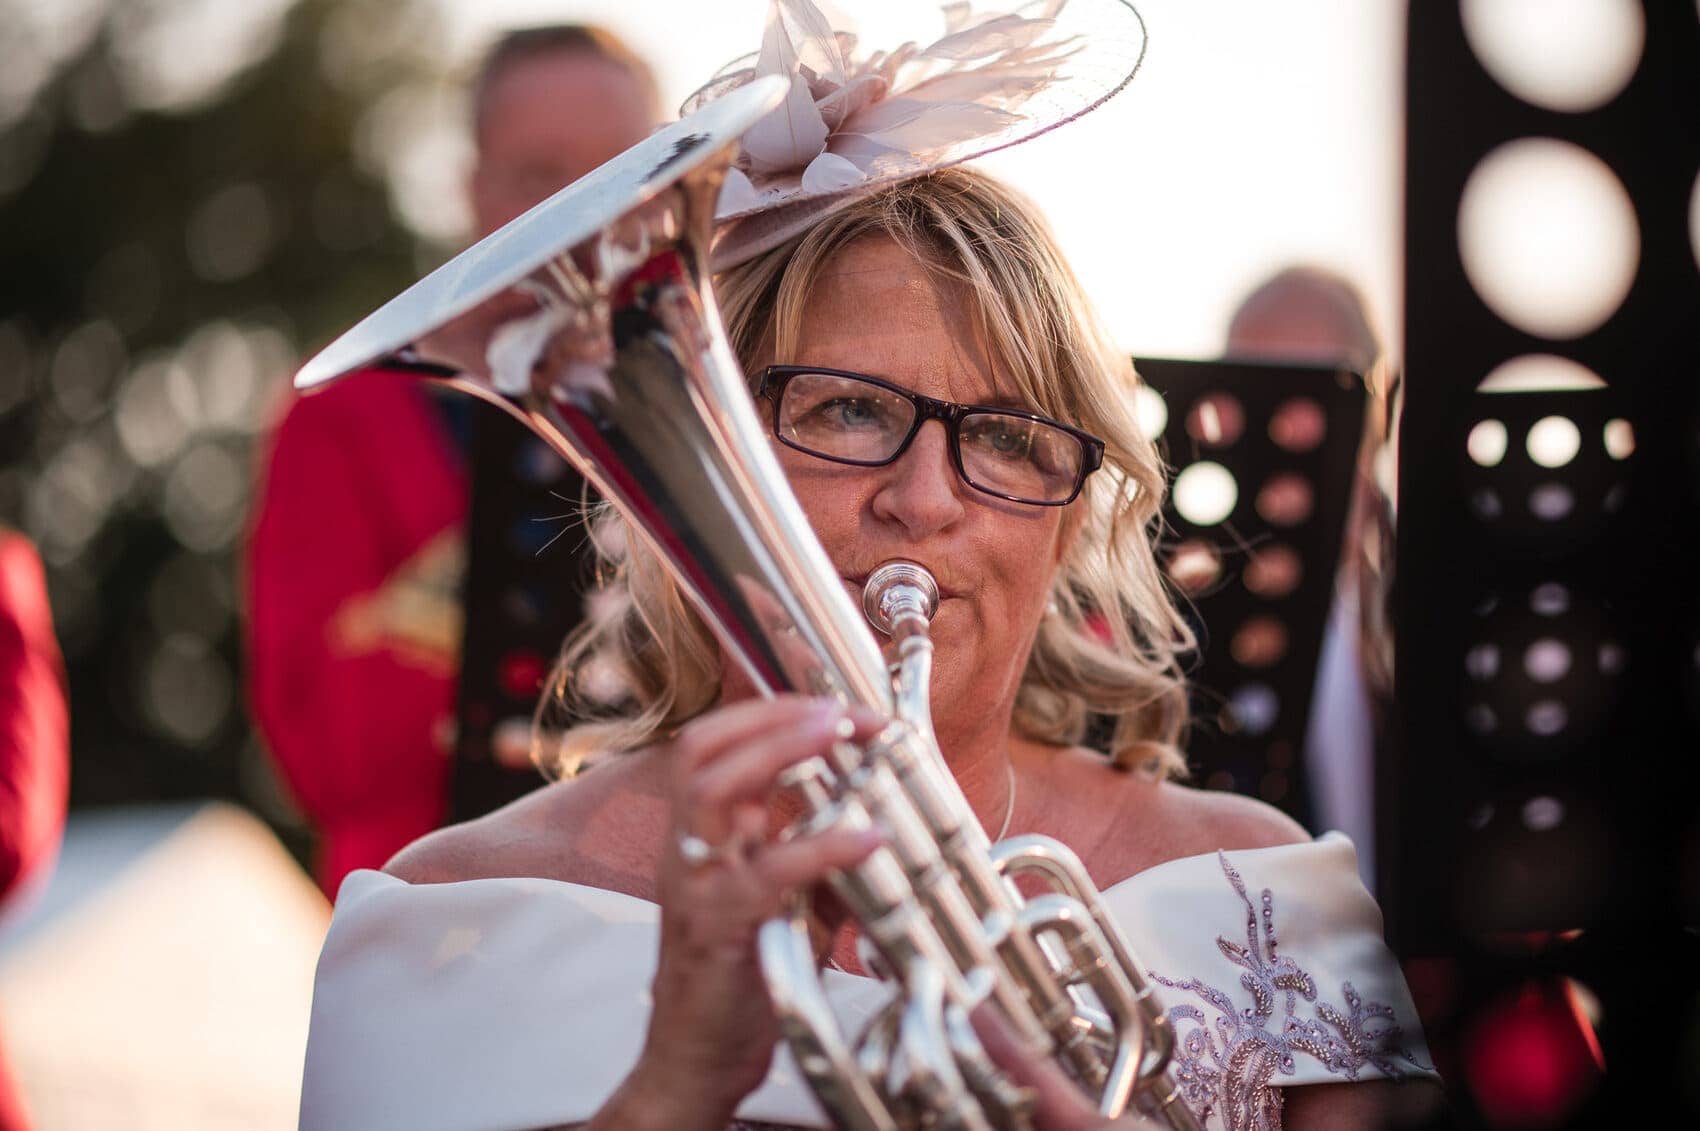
(1261, 579)
(1541, 834)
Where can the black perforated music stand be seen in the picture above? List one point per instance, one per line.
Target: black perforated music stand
(1260, 578)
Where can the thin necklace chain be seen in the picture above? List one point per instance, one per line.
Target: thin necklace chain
(1009, 806)
(1008, 813)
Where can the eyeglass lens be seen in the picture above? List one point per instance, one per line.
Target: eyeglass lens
(844, 418)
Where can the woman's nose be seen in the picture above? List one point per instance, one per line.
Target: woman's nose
(921, 491)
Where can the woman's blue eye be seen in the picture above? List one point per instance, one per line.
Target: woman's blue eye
(848, 412)
(1005, 441)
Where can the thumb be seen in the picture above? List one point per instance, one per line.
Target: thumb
(1059, 1105)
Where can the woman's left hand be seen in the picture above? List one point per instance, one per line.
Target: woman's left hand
(1058, 1104)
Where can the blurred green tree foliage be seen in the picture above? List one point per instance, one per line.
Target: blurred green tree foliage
(193, 195)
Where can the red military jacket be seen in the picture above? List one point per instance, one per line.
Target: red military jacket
(34, 722)
(354, 562)
(34, 742)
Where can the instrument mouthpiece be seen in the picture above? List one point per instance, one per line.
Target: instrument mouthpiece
(897, 591)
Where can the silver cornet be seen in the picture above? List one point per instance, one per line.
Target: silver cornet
(591, 319)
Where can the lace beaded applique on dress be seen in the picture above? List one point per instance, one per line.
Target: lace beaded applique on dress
(1227, 1064)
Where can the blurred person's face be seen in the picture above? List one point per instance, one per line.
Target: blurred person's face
(548, 121)
(1298, 320)
(1295, 330)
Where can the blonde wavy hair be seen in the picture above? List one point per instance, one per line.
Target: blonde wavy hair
(643, 662)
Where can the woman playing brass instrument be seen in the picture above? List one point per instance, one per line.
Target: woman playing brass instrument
(938, 391)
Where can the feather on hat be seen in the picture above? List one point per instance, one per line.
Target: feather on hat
(856, 120)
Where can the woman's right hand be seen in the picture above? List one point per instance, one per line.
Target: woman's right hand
(1058, 1105)
(712, 1030)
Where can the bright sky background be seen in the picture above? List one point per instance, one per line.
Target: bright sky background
(1256, 134)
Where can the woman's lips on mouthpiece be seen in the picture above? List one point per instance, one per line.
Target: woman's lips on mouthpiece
(859, 581)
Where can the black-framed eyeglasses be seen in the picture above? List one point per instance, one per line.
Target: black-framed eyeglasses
(852, 418)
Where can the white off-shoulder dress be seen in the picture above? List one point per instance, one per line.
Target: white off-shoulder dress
(500, 1004)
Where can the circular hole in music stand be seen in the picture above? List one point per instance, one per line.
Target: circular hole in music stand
(520, 673)
(1565, 55)
(1552, 502)
(1550, 600)
(1481, 719)
(523, 605)
(531, 535)
(1259, 643)
(1486, 504)
(537, 464)
(1254, 708)
(1553, 441)
(1546, 718)
(1619, 439)
(1286, 500)
(1487, 443)
(1273, 571)
(1548, 237)
(1547, 660)
(1195, 566)
(1540, 373)
(1542, 813)
(1482, 661)
(1215, 420)
(1694, 220)
(1151, 411)
(1205, 493)
(1299, 425)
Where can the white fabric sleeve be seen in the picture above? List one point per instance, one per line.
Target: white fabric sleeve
(492, 1005)
(467, 1006)
(1272, 968)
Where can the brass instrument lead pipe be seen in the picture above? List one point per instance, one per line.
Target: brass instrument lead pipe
(899, 599)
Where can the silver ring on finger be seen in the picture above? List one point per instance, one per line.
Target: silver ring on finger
(698, 853)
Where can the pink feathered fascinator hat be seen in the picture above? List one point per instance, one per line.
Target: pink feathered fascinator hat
(858, 119)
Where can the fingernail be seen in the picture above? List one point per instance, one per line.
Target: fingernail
(871, 838)
(866, 716)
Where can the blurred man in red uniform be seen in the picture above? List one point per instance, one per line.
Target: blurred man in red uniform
(34, 745)
(356, 553)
